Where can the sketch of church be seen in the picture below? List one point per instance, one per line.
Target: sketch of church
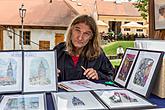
(41, 70)
(10, 70)
(41, 77)
(77, 102)
(9, 78)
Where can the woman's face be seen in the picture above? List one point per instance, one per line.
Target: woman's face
(81, 34)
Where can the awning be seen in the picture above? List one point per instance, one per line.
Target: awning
(132, 25)
(101, 23)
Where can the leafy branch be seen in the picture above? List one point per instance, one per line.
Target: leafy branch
(142, 6)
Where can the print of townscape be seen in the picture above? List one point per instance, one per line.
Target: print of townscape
(143, 71)
(30, 103)
(126, 66)
(119, 97)
(8, 73)
(39, 72)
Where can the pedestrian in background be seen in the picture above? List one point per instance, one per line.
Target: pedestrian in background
(120, 52)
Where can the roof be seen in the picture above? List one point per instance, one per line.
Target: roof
(108, 8)
(59, 13)
(82, 6)
(39, 13)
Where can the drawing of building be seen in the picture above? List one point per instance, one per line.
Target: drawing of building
(11, 104)
(77, 102)
(8, 79)
(10, 70)
(41, 70)
(41, 76)
(22, 103)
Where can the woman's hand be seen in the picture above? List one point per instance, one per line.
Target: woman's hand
(58, 72)
(90, 73)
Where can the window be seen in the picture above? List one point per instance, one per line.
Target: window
(126, 22)
(127, 29)
(59, 38)
(44, 45)
(140, 23)
(139, 30)
(26, 37)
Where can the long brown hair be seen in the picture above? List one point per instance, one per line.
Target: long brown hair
(92, 50)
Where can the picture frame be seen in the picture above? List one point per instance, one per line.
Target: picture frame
(126, 66)
(10, 71)
(76, 101)
(145, 70)
(82, 85)
(122, 99)
(159, 15)
(24, 102)
(40, 71)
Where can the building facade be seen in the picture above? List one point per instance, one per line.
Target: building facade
(34, 39)
(117, 14)
(44, 24)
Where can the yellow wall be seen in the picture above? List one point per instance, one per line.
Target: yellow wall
(123, 19)
(103, 28)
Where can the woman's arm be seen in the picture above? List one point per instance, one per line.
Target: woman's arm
(100, 69)
(104, 68)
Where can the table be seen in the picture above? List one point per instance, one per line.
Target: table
(160, 102)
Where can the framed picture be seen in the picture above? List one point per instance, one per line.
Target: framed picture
(126, 66)
(82, 85)
(40, 71)
(23, 102)
(159, 6)
(76, 101)
(122, 99)
(10, 71)
(144, 73)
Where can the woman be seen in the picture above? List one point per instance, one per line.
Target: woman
(81, 56)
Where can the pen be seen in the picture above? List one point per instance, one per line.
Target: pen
(111, 83)
(65, 87)
(83, 68)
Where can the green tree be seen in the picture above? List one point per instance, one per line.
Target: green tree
(142, 6)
